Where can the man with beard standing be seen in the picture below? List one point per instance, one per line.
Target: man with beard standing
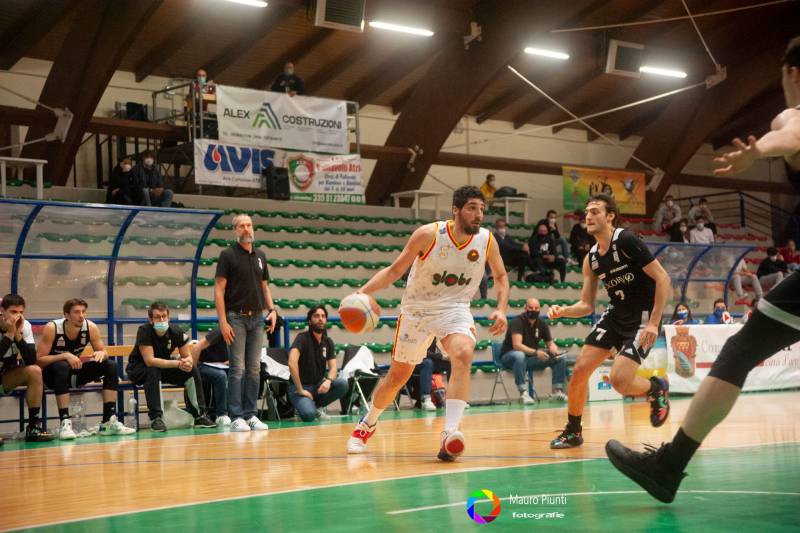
(241, 295)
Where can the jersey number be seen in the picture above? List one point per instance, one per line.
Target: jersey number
(621, 294)
(600, 332)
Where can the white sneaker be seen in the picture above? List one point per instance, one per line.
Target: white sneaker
(223, 421)
(428, 405)
(256, 424)
(452, 445)
(65, 432)
(322, 415)
(525, 398)
(115, 427)
(240, 425)
(357, 443)
(558, 396)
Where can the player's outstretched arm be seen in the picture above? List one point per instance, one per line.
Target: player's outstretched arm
(588, 294)
(501, 289)
(420, 240)
(782, 141)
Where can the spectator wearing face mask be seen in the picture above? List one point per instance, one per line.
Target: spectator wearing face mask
(579, 239)
(552, 225)
(202, 85)
(489, 187)
(700, 233)
(682, 316)
(124, 187)
(515, 254)
(542, 248)
(152, 182)
(668, 214)
(741, 278)
(720, 314)
(791, 256)
(772, 270)
(680, 232)
(288, 82)
(702, 210)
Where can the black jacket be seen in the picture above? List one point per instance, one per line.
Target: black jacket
(148, 177)
(128, 184)
(541, 246)
(768, 266)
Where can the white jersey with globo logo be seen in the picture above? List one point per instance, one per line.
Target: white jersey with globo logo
(448, 273)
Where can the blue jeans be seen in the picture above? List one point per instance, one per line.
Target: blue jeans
(306, 408)
(520, 363)
(165, 200)
(244, 356)
(564, 244)
(218, 379)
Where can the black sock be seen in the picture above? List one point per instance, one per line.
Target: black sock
(681, 450)
(63, 413)
(109, 410)
(574, 423)
(33, 416)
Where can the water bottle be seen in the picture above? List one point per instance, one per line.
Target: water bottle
(133, 408)
(77, 411)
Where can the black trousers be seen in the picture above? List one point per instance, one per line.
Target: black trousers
(150, 377)
(60, 377)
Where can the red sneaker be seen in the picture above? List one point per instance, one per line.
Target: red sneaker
(357, 443)
(452, 445)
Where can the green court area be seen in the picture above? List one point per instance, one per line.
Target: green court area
(741, 489)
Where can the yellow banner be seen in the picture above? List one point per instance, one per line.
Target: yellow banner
(627, 188)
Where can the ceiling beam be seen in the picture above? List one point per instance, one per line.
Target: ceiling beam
(169, 44)
(256, 30)
(506, 99)
(347, 58)
(94, 46)
(753, 117)
(399, 103)
(639, 121)
(542, 105)
(37, 22)
(294, 54)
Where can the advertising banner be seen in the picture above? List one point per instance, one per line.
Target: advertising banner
(627, 188)
(334, 179)
(232, 165)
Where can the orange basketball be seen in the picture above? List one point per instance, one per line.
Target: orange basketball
(359, 313)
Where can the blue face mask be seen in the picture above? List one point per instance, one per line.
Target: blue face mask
(161, 327)
(719, 311)
(683, 314)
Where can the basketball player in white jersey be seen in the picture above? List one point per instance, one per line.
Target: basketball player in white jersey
(447, 261)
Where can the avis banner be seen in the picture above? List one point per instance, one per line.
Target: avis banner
(232, 165)
(334, 179)
(691, 350)
(627, 188)
(269, 119)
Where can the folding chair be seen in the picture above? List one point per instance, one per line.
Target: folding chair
(497, 348)
(269, 402)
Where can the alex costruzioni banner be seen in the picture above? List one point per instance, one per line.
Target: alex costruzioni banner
(270, 119)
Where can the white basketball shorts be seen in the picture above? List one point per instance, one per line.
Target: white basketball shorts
(416, 330)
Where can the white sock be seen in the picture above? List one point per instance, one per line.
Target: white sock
(453, 413)
(372, 416)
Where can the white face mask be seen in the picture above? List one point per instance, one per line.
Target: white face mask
(502, 231)
(700, 226)
(773, 258)
(670, 203)
(289, 71)
(126, 168)
(583, 225)
(552, 221)
(148, 162)
(683, 229)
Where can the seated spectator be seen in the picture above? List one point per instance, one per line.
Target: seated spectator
(682, 316)
(772, 270)
(579, 239)
(720, 314)
(515, 254)
(668, 214)
(743, 277)
(542, 248)
(150, 364)
(18, 366)
(520, 351)
(552, 225)
(790, 256)
(60, 354)
(702, 210)
(489, 187)
(680, 232)
(288, 82)
(700, 234)
(123, 185)
(311, 388)
(434, 363)
(149, 176)
(210, 355)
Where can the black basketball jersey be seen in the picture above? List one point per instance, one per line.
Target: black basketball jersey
(629, 288)
(61, 344)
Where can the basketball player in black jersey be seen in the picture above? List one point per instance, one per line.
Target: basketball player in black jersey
(774, 324)
(637, 284)
(60, 354)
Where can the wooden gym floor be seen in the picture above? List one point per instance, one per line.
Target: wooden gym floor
(298, 478)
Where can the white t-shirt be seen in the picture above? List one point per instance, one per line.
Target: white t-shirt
(704, 236)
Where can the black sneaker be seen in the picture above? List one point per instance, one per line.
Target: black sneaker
(34, 433)
(567, 439)
(647, 469)
(659, 402)
(158, 425)
(203, 421)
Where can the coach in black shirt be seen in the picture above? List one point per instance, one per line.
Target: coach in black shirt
(312, 386)
(151, 362)
(521, 352)
(241, 294)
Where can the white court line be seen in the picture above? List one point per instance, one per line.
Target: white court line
(598, 493)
